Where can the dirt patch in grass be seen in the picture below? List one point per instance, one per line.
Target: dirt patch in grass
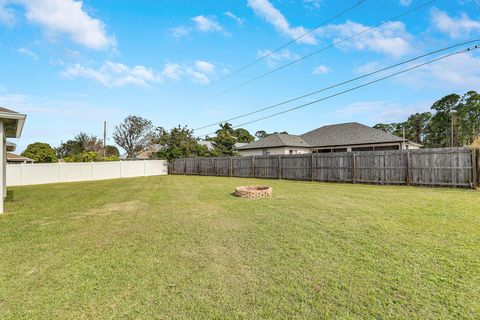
(134, 206)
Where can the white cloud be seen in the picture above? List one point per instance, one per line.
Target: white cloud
(459, 27)
(206, 24)
(368, 67)
(67, 17)
(204, 66)
(313, 4)
(69, 115)
(321, 70)
(201, 24)
(45, 106)
(112, 74)
(274, 59)
(272, 15)
(238, 20)
(28, 53)
(7, 15)
(180, 32)
(405, 3)
(172, 71)
(391, 38)
(379, 111)
(459, 72)
(200, 72)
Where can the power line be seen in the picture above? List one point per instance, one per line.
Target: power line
(292, 41)
(357, 87)
(320, 50)
(337, 84)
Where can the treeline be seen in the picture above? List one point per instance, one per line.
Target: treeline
(138, 136)
(454, 120)
(82, 148)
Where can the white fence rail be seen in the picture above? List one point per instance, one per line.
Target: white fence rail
(40, 173)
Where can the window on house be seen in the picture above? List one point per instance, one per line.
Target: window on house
(362, 149)
(385, 148)
(265, 152)
(290, 151)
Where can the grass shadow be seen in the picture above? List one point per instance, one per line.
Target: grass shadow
(9, 197)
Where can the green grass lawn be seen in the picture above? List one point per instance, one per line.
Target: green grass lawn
(183, 247)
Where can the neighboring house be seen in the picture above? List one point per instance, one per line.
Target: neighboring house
(210, 146)
(207, 144)
(17, 159)
(344, 137)
(144, 155)
(239, 145)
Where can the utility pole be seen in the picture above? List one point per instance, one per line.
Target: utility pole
(104, 137)
(453, 121)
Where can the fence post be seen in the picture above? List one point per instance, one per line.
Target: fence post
(474, 169)
(312, 167)
(231, 167)
(197, 166)
(22, 167)
(353, 168)
(185, 166)
(253, 166)
(213, 167)
(279, 167)
(408, 168)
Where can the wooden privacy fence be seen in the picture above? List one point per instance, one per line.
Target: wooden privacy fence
(450, 167)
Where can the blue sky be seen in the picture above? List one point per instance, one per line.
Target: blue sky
(70, 65)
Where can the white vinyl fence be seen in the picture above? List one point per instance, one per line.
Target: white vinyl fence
(40, 173)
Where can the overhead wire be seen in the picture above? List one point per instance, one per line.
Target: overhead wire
(356, 87)
(320, 50)
(336, 85)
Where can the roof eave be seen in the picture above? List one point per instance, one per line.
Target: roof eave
(20, 121)
(277, 146)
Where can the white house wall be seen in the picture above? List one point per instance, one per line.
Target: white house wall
(273, 151)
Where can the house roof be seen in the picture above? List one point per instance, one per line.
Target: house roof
(342, 134)
(206, 143)
(276, 140)
(12, 157)
(13, 122)
(10, 146)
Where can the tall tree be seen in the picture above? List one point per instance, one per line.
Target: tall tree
(111, 151)
(225, 140)
(40, 152)
(438, 133)
(468, 118)
(261, 134)
(133, 134)
(243, 135)
(179, 142)
(416, 126)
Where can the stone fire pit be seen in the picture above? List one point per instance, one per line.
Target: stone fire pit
(253, 192)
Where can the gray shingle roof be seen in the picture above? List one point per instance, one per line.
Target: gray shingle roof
(347, 134)
(342, 134)
(276, 140)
